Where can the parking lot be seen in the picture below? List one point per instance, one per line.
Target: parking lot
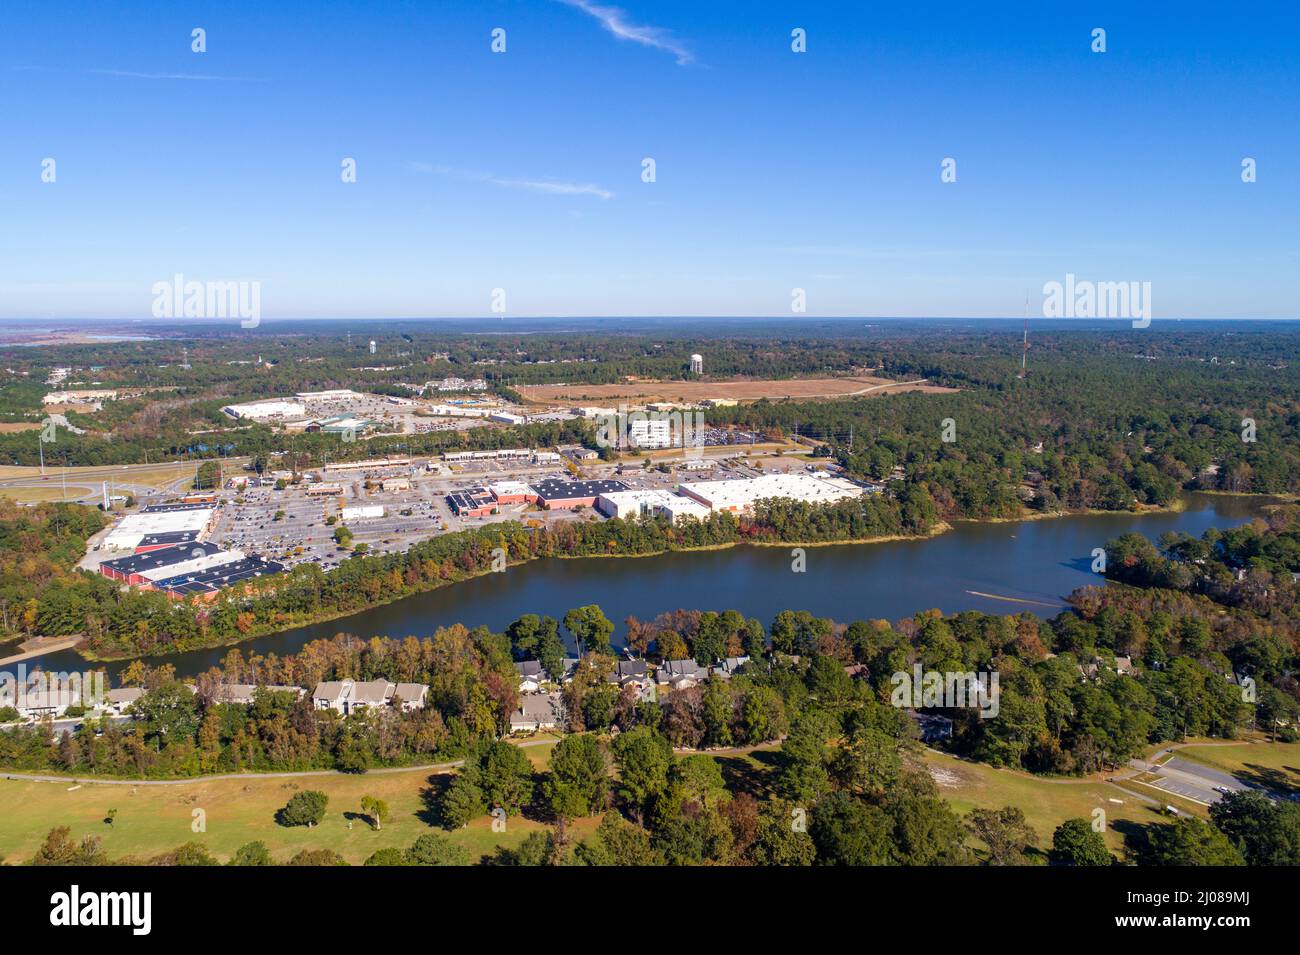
(1203, 784)
(292, 526)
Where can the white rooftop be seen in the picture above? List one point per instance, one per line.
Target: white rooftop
(132, 528)
(194, 565)
(740, 494)
(509, 488)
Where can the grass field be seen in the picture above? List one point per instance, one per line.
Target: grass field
(153, 819)
(29, 495)
(155, 475)
(1049, 802)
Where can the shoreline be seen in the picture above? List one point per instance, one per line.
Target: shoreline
(940, 528)
(55, 645)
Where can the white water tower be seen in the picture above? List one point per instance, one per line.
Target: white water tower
(372, 346)
(697, 364)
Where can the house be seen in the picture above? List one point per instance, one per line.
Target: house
(858, 671)
(680, 674)
(630, 673)
(531, 676)
(933, 727)
(353, 696)
(120, 700)
(350, 696)
(47, 698)
(570, 668)
(370, 694)
(411, 695)
(331, 695)
(241, 694)
(537, 712)
(729, 667)
(1122, 665)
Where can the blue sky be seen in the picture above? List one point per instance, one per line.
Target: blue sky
(522, 170)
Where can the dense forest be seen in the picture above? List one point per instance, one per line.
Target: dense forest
(1124, 416)
(39, 546)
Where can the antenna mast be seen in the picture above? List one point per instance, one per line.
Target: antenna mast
(1024, 354)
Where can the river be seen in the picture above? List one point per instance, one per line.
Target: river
(1031, 565)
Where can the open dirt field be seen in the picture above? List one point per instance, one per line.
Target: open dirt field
(745, 389)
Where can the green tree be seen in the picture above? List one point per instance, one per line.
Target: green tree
(388, 856)
(1076, 843)
(189, 854)
(252, 853)
(433, 849)
(1188, 842)
(589, 627)
(376, 810)
(579, 777)
(782, 837)
(317, 857)
(1264, 832)
(1005, 832)
(462, 802)
(169, 713)
(306, 808)
(803, 776)
(617, 842)
(644, 759)
(495, 774)
(537, 849)
(849, 831)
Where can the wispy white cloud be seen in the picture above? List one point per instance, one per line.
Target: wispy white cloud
(616, 22)
(860, 252)
(554, 187)
(132, 74)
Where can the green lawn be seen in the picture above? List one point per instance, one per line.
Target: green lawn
(1049, 802)
(153, 819)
